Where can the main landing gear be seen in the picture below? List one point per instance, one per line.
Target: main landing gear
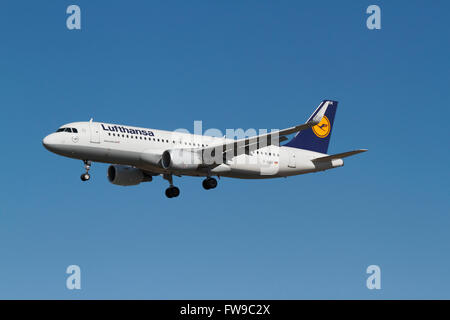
(171, 191)
(209, 183)
(86, 176)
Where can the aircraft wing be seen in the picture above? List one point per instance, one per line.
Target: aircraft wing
(242, 146)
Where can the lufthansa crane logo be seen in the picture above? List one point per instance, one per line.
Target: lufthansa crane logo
(323, 128)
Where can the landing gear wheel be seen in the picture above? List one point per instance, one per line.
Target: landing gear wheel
(209, 183)
(172, 192)
(175, 192)
(85, 177)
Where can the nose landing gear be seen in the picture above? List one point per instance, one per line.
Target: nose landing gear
(86, 176)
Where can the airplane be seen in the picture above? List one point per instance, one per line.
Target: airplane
(138, 154)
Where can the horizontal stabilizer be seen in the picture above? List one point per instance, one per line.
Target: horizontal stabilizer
(339, 155)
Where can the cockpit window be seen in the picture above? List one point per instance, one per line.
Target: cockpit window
(74, 130)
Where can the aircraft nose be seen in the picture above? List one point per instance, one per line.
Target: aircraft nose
(49, 142)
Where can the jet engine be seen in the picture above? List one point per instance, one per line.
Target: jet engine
(126, 175)
(180, 159)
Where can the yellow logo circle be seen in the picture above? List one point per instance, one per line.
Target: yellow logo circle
(323, 128)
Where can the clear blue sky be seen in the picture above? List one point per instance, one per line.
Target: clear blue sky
(231, 64)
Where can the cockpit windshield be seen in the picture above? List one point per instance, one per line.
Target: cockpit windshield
(72, 130)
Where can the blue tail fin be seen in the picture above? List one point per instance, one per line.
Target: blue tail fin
(316, 138)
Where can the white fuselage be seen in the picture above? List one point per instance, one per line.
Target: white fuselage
(143, 148)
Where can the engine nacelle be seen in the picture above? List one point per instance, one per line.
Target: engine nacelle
(126, 175)
(180, 159)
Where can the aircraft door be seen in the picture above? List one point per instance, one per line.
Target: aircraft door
(292, 162)
(95, 131)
